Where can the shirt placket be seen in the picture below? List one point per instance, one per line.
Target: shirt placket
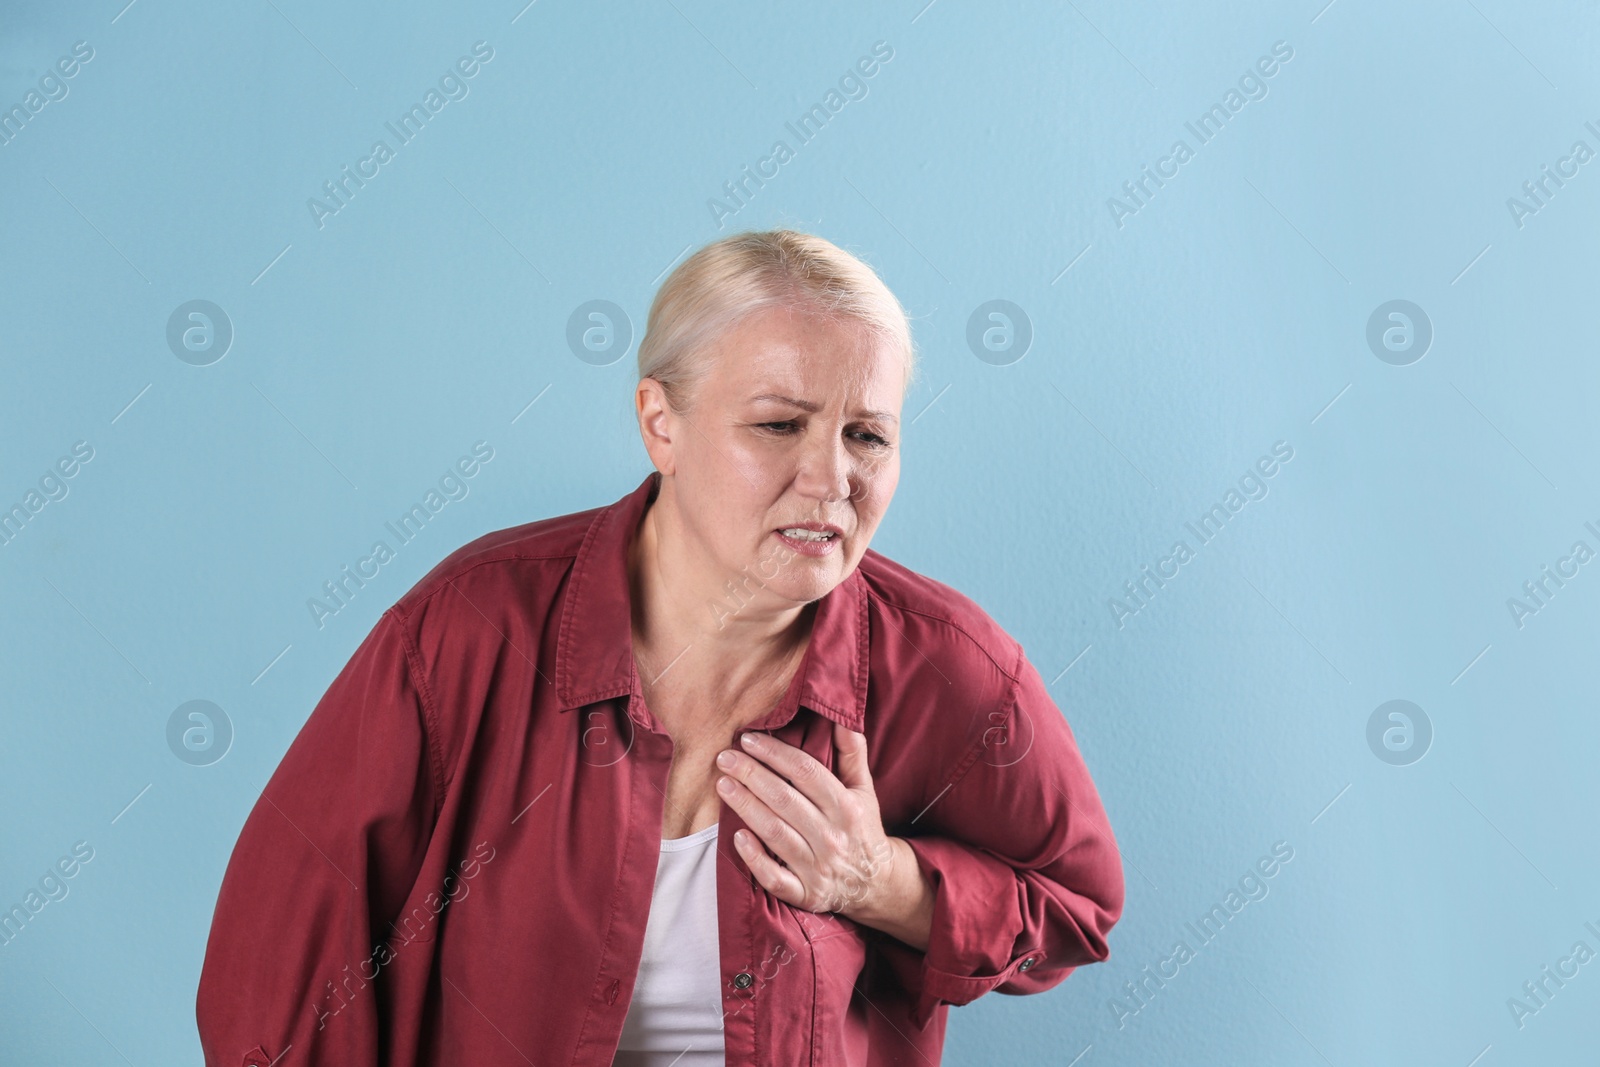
(644, 773)
(641, 777)
(756, 959)
(742, 988)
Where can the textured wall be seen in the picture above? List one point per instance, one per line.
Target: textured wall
(1177, 332)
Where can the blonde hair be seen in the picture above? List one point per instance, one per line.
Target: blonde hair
(729, 279)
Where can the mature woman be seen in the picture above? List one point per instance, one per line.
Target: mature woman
(695, 778)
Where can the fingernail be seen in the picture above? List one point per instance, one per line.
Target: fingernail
(725, 759)
(751, 740)
(724, 785)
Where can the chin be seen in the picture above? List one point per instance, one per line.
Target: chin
(804, 588)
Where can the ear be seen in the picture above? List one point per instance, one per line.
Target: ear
(656, 424)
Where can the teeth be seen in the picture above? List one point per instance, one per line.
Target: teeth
(806, 535)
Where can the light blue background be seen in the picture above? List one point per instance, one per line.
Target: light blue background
(1228, 314)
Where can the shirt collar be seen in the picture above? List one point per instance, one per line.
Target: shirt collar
(594, 649)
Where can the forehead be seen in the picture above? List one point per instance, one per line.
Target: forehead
(805, 352)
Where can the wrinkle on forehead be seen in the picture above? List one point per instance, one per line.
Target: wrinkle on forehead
(823, 359)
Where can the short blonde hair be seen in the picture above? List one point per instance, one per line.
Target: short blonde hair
(731, 278)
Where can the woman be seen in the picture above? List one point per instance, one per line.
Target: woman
(690, 779)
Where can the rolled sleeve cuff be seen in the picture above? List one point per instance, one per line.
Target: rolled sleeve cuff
(973, 943)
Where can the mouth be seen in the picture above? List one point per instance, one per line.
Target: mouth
(811, 538)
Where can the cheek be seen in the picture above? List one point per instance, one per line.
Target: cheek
(745, 468)
(869, 510)
(877, 485)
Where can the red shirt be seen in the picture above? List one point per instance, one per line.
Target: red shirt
(454, 861)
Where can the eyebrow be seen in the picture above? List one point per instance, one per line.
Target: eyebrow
(806, 405)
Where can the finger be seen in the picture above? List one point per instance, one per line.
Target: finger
(775, 878)
(812, 779)
(784, 840)
(787, 802)
(852, 763)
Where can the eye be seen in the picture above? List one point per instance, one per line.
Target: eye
(869, 438)
(780, 428)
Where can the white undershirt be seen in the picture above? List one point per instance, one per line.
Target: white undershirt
(675, 1017)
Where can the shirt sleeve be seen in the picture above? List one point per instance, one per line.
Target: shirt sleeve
(1026, 874)
(324, 863)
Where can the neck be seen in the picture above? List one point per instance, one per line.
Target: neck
(691, 637)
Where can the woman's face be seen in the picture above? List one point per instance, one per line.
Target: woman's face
(789, 453)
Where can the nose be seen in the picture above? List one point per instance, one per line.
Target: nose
(826, 469)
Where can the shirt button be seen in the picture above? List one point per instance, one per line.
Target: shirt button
(1026, 964)
(743, 980)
